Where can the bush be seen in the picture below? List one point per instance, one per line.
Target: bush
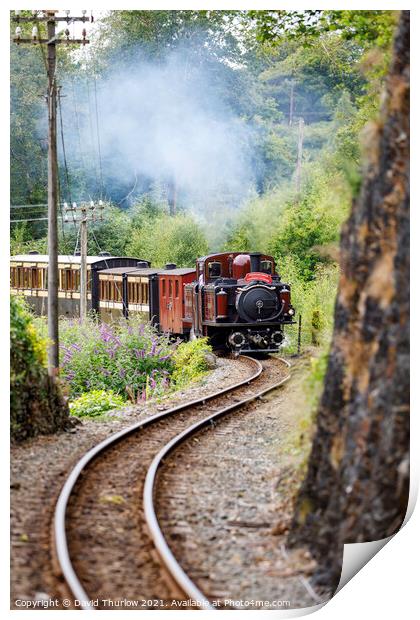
(190, 363)
(176, 239)
(36, 403)
(314, 300)
(94, 404)
(127, 358)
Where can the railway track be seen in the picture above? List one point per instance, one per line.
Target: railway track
(107, 540)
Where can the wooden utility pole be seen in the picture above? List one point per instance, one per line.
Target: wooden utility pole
(96, 213)
(51, 41)
(299, 157)
(53, 362)
(83, 265)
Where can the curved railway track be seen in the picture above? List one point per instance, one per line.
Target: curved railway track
(108, 545)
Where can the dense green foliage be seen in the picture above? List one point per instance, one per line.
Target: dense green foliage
(95, 403)
(163, 239)
(36, 403)
(190, 361)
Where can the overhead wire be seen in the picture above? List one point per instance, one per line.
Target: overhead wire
(66, 170)
(79, 136)
(99, 181)
(54, 81)
(92, 136)
(98, 137)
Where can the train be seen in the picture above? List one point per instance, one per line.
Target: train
(235, 299)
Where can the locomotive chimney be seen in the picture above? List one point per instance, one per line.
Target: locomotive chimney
(255, 261)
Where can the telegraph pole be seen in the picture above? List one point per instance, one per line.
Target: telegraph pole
(83, 265)
(52, 306)
(97, 213)
(49, 16)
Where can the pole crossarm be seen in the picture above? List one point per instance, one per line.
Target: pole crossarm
(46, 18)
(56, 40)
(96, 211)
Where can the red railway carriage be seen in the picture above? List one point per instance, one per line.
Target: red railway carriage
(172, 302)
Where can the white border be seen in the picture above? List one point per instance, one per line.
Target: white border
(387, 587)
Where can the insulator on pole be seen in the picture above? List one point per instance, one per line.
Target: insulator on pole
(74, 206)
(18, 32)
(34, 32)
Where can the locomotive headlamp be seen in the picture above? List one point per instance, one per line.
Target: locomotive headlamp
(291, 311)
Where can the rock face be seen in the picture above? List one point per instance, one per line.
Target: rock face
(356, 488)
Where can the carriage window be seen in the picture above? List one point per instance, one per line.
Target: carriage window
(69, 280)
(170, 288)
(35, 277)
(144, 295)
(215, 269)
(130, 287)
(26, 278)
(163, 288)
(266, 266)
(116, 290)
(176, 288)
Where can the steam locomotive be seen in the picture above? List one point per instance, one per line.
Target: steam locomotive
(235, 299)
(239, 302)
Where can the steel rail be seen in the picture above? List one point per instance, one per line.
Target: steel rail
(60, 537)
(166, 555)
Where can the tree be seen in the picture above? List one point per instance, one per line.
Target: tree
(163, 239)
(357, 482)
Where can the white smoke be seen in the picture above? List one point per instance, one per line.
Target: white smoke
(166, 123)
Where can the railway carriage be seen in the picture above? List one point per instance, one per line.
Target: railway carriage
(158, 294)
(29, 276)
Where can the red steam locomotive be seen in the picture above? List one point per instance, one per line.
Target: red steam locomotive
(236, 299)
